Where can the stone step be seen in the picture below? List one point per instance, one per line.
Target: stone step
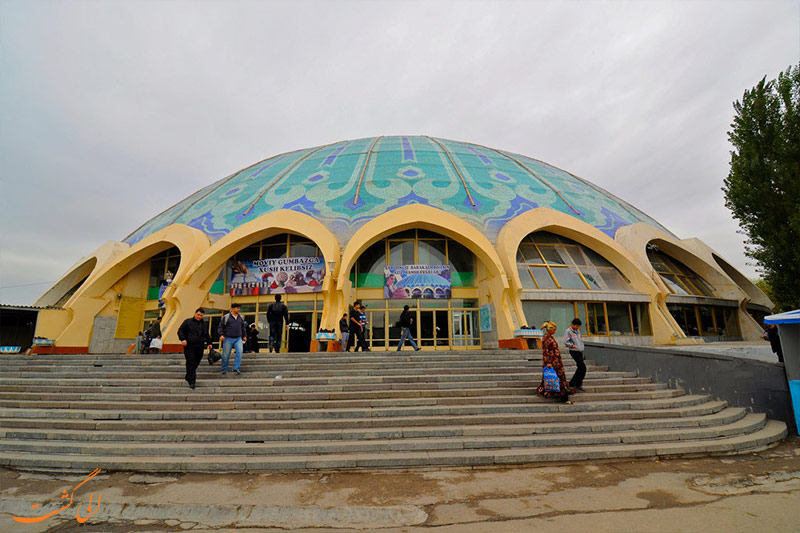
(181, 393)
(177, 386)
(698, 410)
(191, 402)
(771, 433)
(227, 410)
(232, 379)
(725, 416)
(748, 424)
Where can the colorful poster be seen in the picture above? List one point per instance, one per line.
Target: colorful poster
(290, 275)
(416, 281)
(486, 318)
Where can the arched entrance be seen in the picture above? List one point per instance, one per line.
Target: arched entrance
(436, 276)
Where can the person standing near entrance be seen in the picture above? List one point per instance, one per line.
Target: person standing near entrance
(574, 343)
(193, 334)
(277, 312)
(252, 337)
(155, 328)
(406, 321)
(231, 331)
(344, 328)
(356, 329)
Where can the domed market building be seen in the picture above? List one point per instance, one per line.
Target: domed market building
(479, 242)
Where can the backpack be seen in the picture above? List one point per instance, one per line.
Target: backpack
(274, 313)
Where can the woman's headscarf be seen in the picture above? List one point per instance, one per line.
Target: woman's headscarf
(547, 326)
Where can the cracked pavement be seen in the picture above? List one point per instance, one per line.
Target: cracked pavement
(754, 492)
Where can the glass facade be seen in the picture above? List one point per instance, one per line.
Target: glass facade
(548, 261)
(679, 279)
(440, 323)
(414, 247)
(600, 319)
(163, 267)
(705, 320)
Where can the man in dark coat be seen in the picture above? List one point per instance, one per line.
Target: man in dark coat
(277, 312)
(193, 334)
(252, 338)
(775, 341)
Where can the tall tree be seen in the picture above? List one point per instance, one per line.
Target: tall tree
(763, 186)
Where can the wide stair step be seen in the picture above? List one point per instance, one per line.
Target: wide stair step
(346, 411)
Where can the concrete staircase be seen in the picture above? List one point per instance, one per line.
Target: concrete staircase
(344, 411)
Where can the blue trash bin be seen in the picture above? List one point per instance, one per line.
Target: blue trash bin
(794, 390)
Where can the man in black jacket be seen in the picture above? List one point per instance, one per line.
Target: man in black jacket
(194, 337)
(277, 312)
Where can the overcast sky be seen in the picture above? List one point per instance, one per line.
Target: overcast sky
(110, 112)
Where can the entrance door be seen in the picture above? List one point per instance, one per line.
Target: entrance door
(427, 329)
(442, 329)
(459, 335)
(299, 335)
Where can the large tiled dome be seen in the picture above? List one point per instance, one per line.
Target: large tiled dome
(346, 184)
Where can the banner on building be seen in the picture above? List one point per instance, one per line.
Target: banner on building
(416, 281)
(291, 275)
(486, 317)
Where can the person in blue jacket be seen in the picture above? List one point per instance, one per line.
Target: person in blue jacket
(231, 331)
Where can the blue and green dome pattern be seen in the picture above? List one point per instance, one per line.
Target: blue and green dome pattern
(346, 184)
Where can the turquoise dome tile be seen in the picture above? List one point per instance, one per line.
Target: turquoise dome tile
(348, 183)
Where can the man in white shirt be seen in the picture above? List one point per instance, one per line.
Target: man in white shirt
(574, 342)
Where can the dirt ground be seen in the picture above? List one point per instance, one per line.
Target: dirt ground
(754, 492)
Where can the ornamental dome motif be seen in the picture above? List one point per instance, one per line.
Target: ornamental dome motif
(346, 184)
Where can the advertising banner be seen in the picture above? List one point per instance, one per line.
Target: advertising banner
(416, 281)
(290, 275)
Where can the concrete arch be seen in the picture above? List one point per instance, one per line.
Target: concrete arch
(696, 255)
(431, 219)
(95, 294)
(545, 219)
(192, 290)
(754, 294)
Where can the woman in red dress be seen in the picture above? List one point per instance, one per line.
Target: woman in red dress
(551, 356)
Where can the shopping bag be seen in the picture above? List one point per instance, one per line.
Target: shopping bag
(213, 356)
(550, 379)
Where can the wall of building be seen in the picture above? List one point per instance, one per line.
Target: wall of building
(758, 386)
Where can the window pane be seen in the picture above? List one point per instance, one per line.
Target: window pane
(619, 321)
(461, 258)
(568, 278)
(705, 288)
(157, 267)
(613, 279)
(401, 253)
(596, 259)
(706, 321)
(596, 319)
(551, 255)
(542, 277)
(377, 322)
(431, 253)
(731, 324)
(672, 283)
(530, 254)
(576, 254)
(544, 236)
(302, 250)
(537, 312)
(525, 277)
(370, 266)
(641, 319)
(274, 251)
(592, 276)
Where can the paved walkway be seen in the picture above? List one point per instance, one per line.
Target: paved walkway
(755, 492)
